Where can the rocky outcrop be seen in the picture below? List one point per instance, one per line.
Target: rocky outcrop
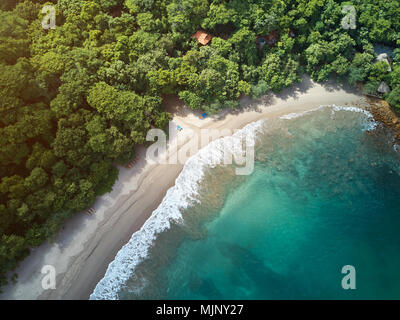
(383, 88)
(383, 113)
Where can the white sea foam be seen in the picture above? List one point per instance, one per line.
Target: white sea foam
(179, 197)
(299, 114)
(370, 124)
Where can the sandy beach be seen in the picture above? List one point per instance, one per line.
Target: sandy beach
(86, 245)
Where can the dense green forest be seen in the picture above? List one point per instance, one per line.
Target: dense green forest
(75, 100)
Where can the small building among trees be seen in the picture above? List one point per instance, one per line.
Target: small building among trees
(271, 39)
(202, 37)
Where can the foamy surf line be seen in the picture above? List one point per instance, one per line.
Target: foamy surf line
(180, 197)
(372, 123)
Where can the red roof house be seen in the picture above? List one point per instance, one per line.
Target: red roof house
(202, 37)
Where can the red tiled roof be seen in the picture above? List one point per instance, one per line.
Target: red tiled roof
(202, 37)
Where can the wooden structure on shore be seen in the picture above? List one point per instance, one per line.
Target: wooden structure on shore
(131, 164)
(90, 211)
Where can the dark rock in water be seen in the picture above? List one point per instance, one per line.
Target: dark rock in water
(205, 287)
(272, 283)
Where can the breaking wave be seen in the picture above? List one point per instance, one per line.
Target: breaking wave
(183, 195)
(178, 198)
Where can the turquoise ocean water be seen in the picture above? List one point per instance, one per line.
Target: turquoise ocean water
(325, 193)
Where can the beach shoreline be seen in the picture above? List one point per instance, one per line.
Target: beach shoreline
(82, 251)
